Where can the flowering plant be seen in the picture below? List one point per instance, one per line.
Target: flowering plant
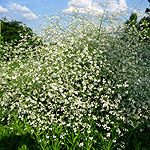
(85, 75)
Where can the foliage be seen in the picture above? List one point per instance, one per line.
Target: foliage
(144, 27)
(138, 33)
(17, 37)
(84, 89)
(140, 29)
(11, 31)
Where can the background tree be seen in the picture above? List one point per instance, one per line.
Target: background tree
(14, 31)
(143, 28)
(135, 29)
(147, 9)
(132, 20)
(17, 35)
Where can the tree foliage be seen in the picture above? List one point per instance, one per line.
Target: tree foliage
(19, 38)
(14, 30)
(139, 29)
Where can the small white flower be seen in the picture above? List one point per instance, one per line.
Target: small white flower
(91, 138)
(81, 144)
(32, 131)
(47, 137)
(37, 78)
(54, 136)
(14, 77)
(68, 125)
(108, 134)
(89, 131)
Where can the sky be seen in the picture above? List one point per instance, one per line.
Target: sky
(30, 12)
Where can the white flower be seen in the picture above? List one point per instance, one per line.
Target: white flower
(81, 144)
(37, 78)
(47, 137)
(108, 135)
(88, 131)
(91, 138)
(14, 77)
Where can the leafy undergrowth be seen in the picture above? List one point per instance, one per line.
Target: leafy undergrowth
(20, 136)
